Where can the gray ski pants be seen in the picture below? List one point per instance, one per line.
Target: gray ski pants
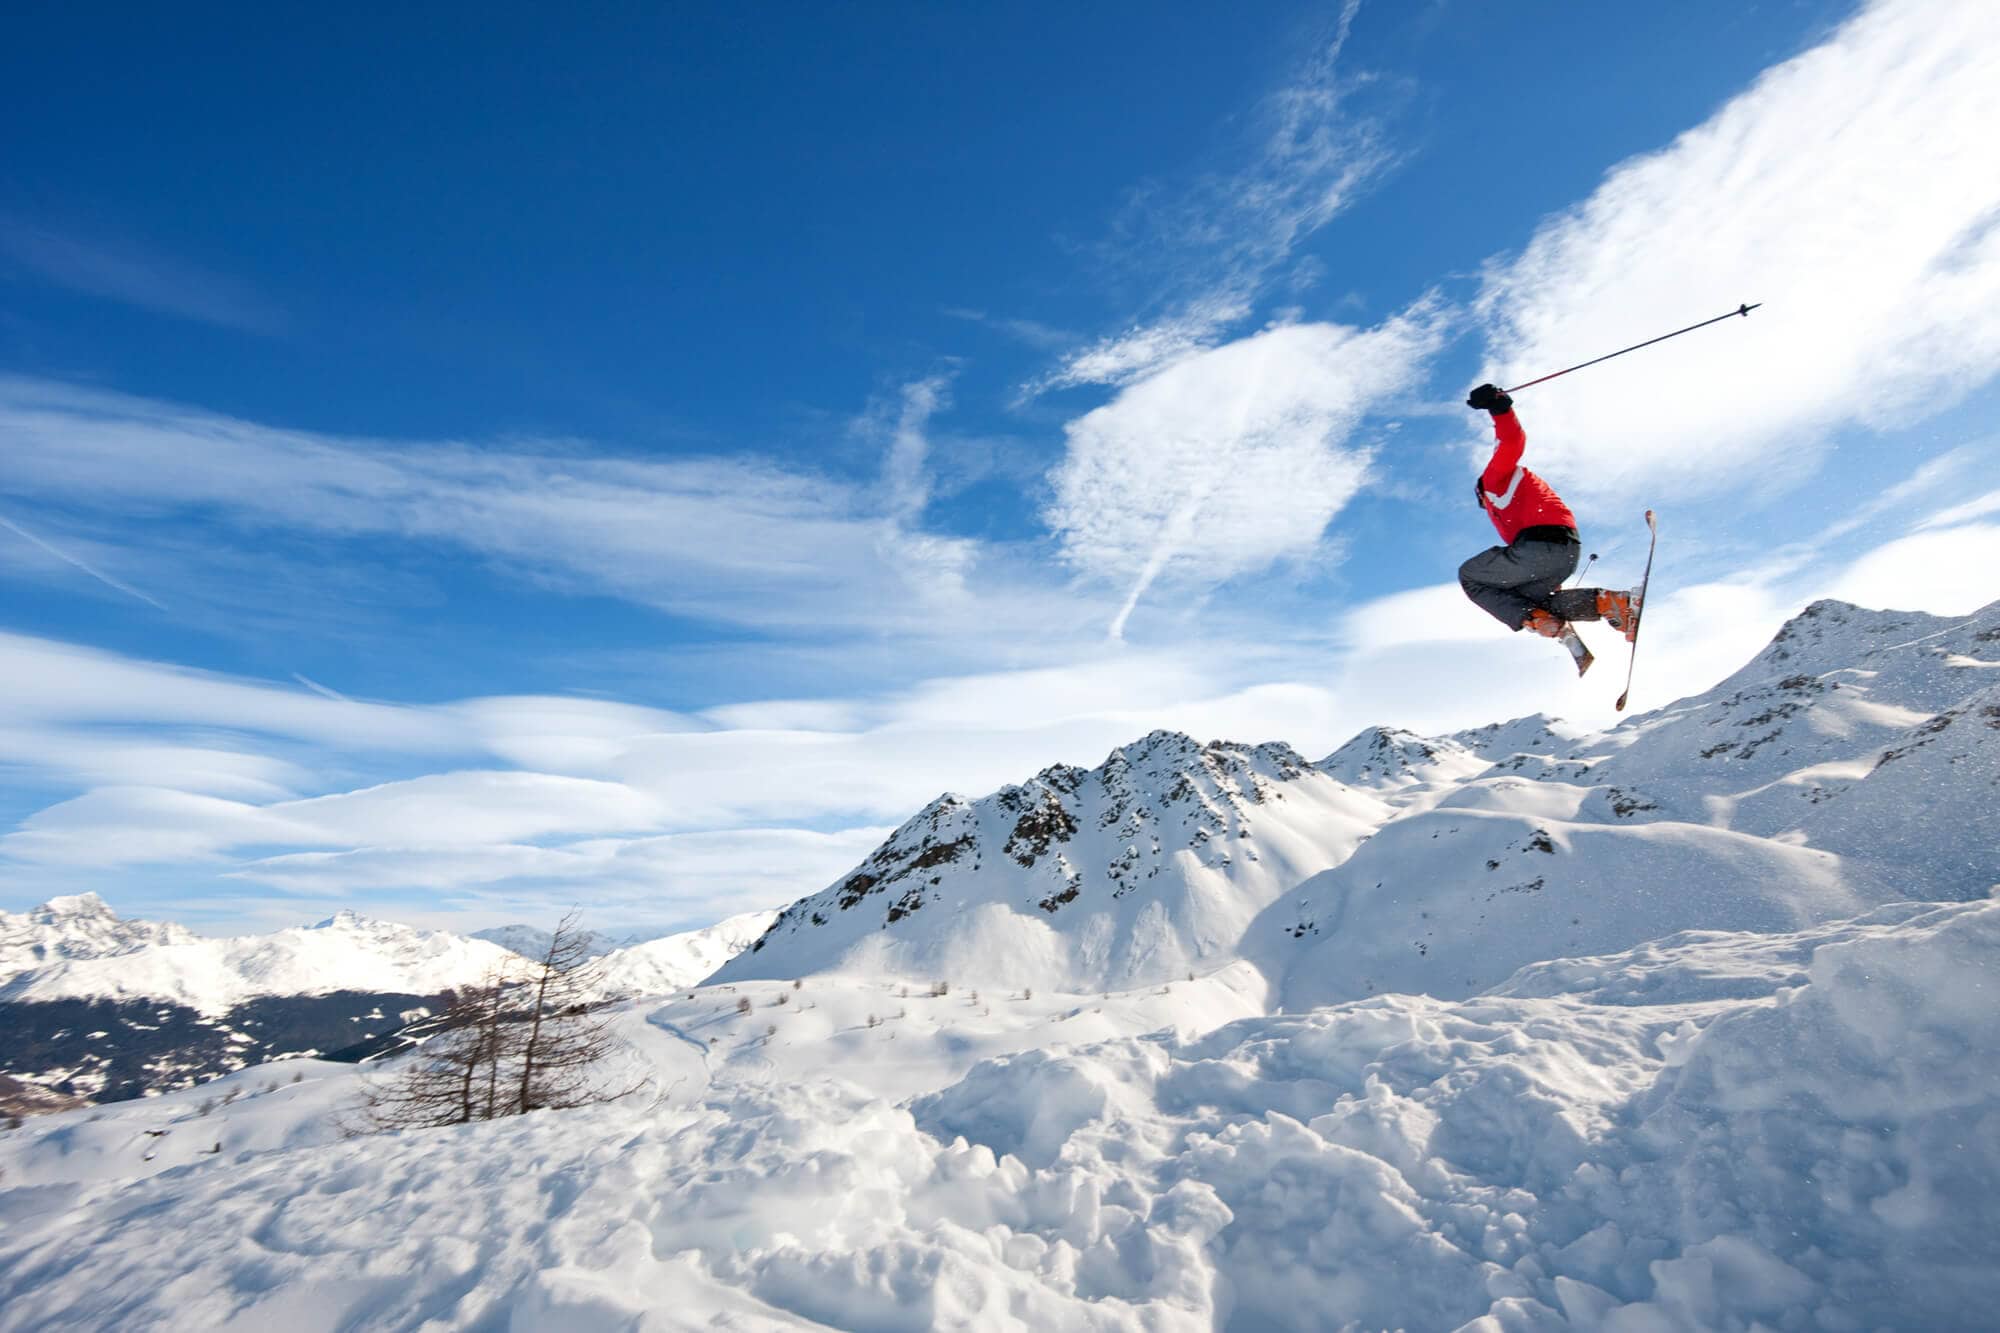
(1507, 582)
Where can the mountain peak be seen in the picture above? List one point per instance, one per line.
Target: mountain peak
(76, 905)
(76, 927)
(1139, 868)
(1391, 759)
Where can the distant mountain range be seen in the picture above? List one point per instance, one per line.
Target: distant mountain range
(100, 1007)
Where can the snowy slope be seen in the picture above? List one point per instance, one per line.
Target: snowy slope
(1854, 761)
(1510, 871)
(1928, 809)
(1804, 718)
(346, 952)
(1141, 870)
(1720, 1131)
(671, 962)
(81, 926)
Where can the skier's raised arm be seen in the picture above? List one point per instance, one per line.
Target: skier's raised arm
(1513, 440)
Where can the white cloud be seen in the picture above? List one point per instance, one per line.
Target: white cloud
(1440, 613)
(737, 540)
(1948, 571)
(1122, 357)
(88, 758)
(1852, 189)
(1977, 507)
(903, 471)
(1231, 459)
(52, 684)
(136, 825)
(1224, 235)
(635, 880)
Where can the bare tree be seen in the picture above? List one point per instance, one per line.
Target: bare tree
(527, 1037)
(454, 1075)
(566, 1040)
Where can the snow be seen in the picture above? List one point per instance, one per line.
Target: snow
(655, 967)
(1139, 871)
(346, 952)
(1807, 1145)
(532, 942)
(1527, 1029)
(75, 926)
(1400, 766)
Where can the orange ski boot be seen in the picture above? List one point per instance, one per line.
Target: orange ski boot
(1620, 610)
(1551, 626)
(1545, 623)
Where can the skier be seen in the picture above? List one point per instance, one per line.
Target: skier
(1520, 584)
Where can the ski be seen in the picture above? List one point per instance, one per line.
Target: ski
(1639, 614)
(1577, 652)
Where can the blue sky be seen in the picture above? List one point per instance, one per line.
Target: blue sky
(467, 464)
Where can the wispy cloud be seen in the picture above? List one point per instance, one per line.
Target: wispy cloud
(1213, 245)
(1033, 332)
(1852, 190)
(1229, 460)
(739, 540)
(129, 274)
(81, 564)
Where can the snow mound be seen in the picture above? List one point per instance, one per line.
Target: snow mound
(1510, 871)
(1811, 1145)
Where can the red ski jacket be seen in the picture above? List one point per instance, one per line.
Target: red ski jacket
(1515, 498)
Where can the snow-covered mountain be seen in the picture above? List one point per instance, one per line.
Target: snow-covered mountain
(532, 942)
(1138, 871)
(76, 927)
(106, 1008)
(1395, 764)
(1853, 762)
(657, 967)
(345, 952)
(647, 967)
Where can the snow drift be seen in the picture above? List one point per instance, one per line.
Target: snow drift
(1719, 1131)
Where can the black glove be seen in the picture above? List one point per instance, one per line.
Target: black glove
(1490, 398)
(1479, 492)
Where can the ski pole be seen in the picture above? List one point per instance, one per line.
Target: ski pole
(1743, 310)
(1586, 569)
